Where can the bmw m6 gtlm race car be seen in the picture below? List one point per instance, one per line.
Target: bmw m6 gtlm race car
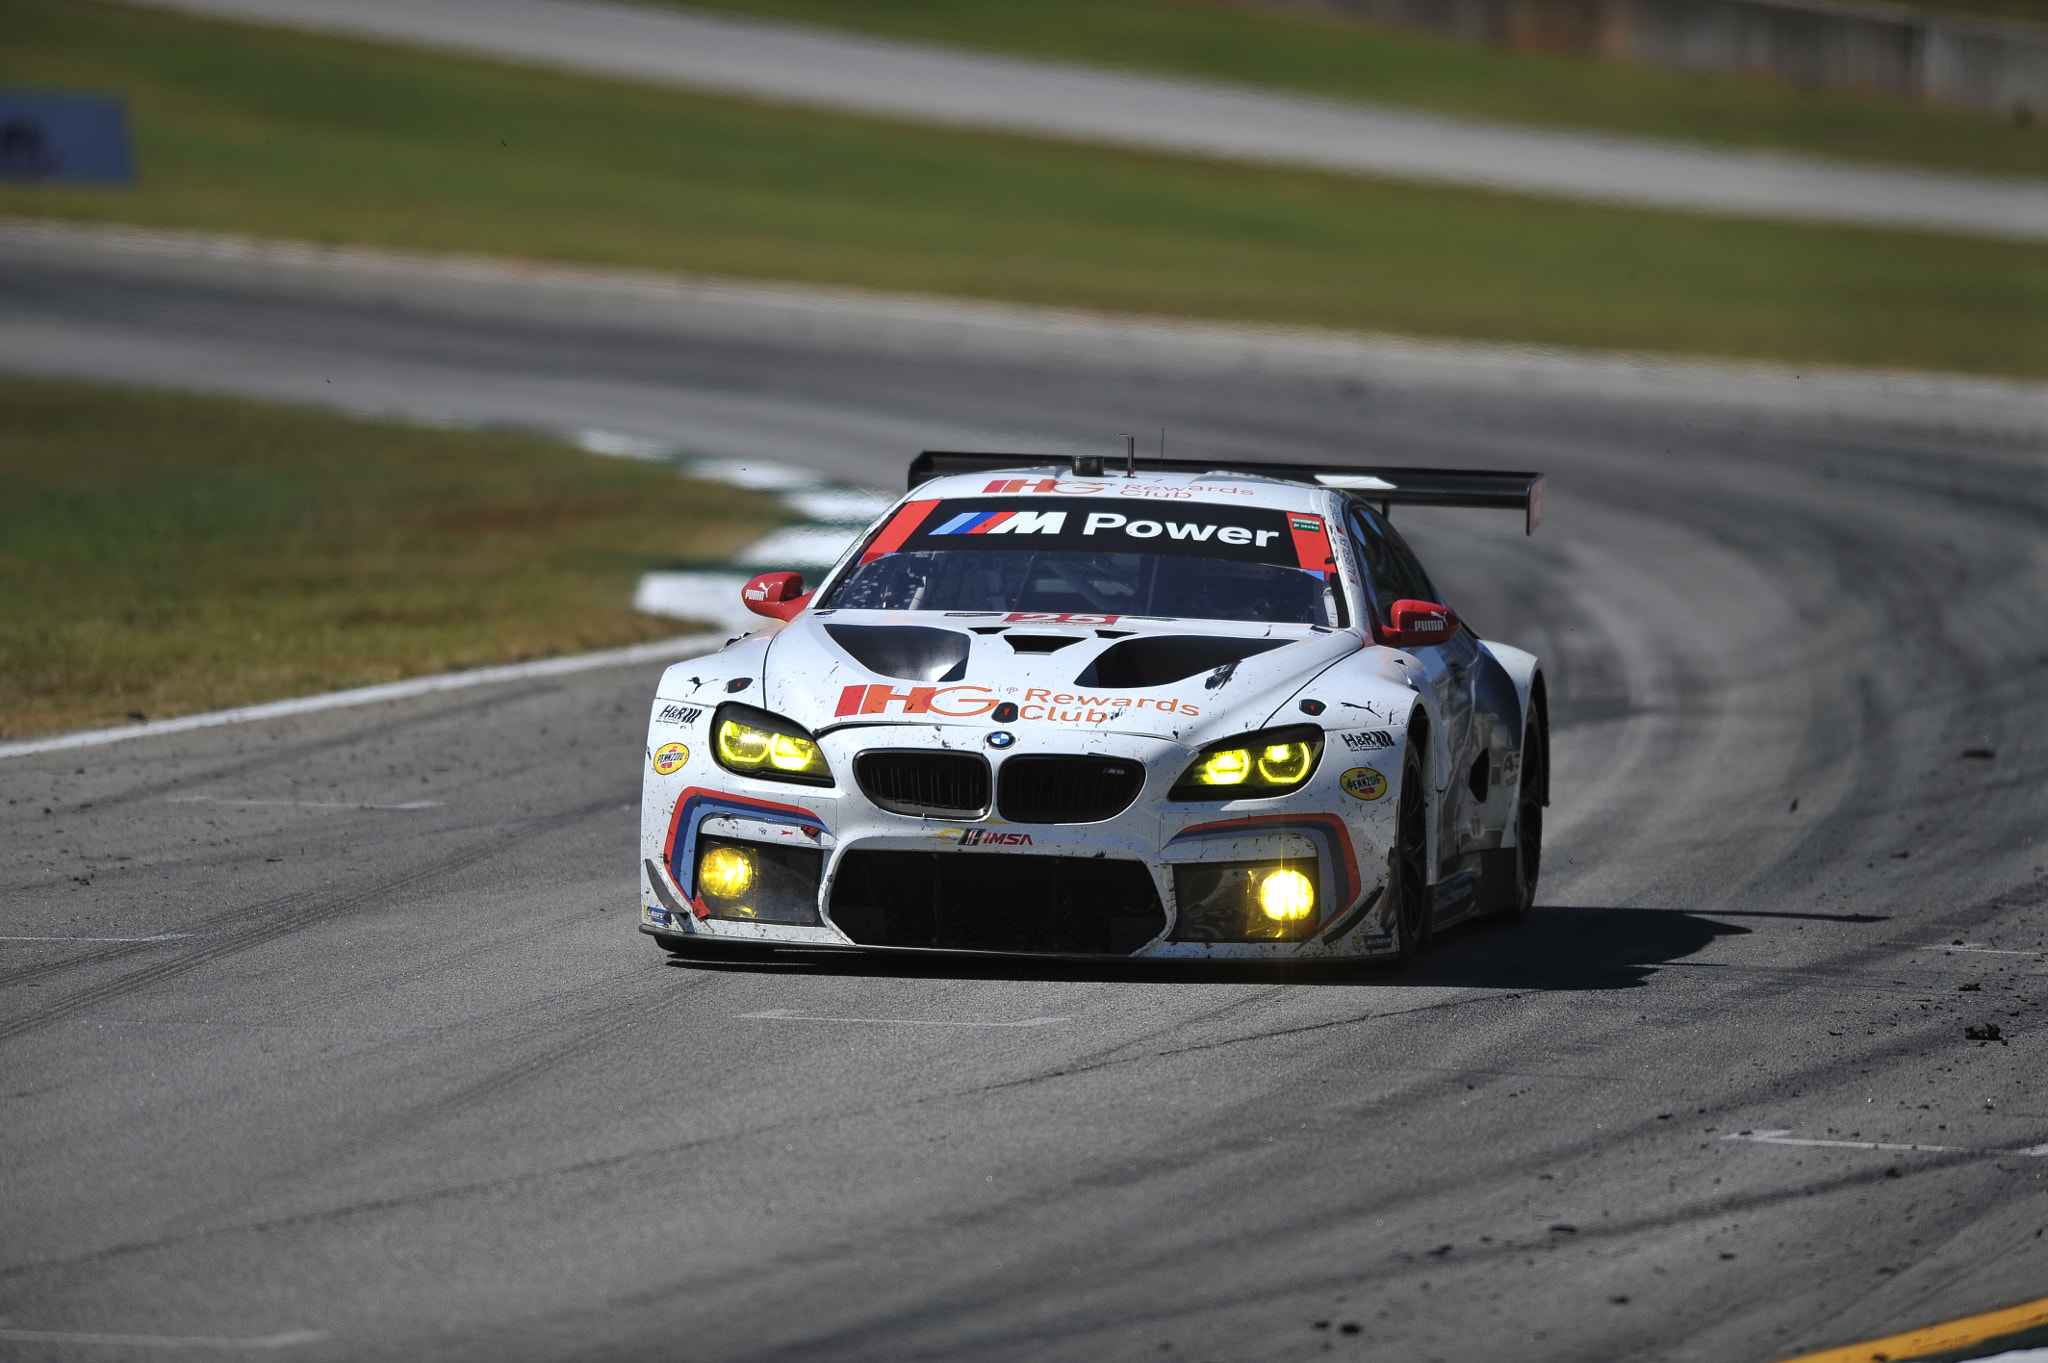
(1176, 710)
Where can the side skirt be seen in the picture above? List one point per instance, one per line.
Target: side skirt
(1457, 898)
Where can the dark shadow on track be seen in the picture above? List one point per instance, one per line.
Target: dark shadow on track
(1811, 917)
(1558, 948)
(1567, 948)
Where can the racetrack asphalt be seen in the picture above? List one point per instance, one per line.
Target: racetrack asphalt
(331, 1037)
(844, 72)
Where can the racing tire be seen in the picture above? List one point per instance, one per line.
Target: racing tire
(1528, 827)
(1408, 888)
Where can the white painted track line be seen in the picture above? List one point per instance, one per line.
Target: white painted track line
(685, 646)
(288, 1340)
(295, 804)
(160, 937)
(1787, 1138)
(822, 68)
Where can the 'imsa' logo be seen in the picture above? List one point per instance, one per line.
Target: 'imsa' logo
(1368, 740)
(678, 714)
(982, 837)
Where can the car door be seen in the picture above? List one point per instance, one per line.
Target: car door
(1393, 574)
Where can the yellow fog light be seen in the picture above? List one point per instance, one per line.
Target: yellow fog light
(725, 873)
(1287, 896)
(1226, 768)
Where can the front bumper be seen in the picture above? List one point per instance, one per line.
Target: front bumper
(898, 882)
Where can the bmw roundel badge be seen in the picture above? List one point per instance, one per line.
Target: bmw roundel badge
(1001, 738)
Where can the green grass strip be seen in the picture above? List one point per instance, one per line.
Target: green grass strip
(1322, 55)
(165, 554)
(262, 131)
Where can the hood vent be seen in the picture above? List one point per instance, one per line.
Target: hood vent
(1041, 643)
(909, 652)
(1160, 660)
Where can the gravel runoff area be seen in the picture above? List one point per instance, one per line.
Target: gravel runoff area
(822, 69)
(330, 1034)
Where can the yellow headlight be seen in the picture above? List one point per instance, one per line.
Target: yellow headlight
(1270, 763)
(744, 747)
(1287, 896)
(725, 873)
(1283, 764)
(791, 754)
(1226, 768)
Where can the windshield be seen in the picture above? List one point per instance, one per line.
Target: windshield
(1094, 557)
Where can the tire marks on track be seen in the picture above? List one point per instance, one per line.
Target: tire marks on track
(269, 920)
(564, 1039)
(490, 1187)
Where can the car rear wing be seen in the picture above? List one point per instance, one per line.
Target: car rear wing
(1386, 485)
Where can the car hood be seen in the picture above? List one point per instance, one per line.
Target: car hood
(1190, 681)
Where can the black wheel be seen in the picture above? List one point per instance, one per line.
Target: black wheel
(1528, 827)
(1409, 889)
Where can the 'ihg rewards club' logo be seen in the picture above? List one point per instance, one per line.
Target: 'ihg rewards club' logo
(972, 702)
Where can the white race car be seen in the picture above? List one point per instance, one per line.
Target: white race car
(1172, 710)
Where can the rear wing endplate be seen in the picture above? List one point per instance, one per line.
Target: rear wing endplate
(1386, 485)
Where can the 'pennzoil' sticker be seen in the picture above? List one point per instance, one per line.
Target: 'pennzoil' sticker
(1363, 783)
(669, 758)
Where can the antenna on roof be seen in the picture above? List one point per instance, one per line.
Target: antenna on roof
(1130, 456)
(1162, 443)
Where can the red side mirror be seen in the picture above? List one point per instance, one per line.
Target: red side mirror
(779, 596)
(1417, 623)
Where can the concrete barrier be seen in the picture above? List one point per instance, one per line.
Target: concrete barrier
(1989, 65)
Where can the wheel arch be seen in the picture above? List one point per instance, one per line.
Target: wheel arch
(1418, 738)
(1525, 670)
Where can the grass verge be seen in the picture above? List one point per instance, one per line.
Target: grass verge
(163, 554)
(264, 131)
(1329, 56)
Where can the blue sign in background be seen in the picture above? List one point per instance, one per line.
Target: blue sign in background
(64, 137)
